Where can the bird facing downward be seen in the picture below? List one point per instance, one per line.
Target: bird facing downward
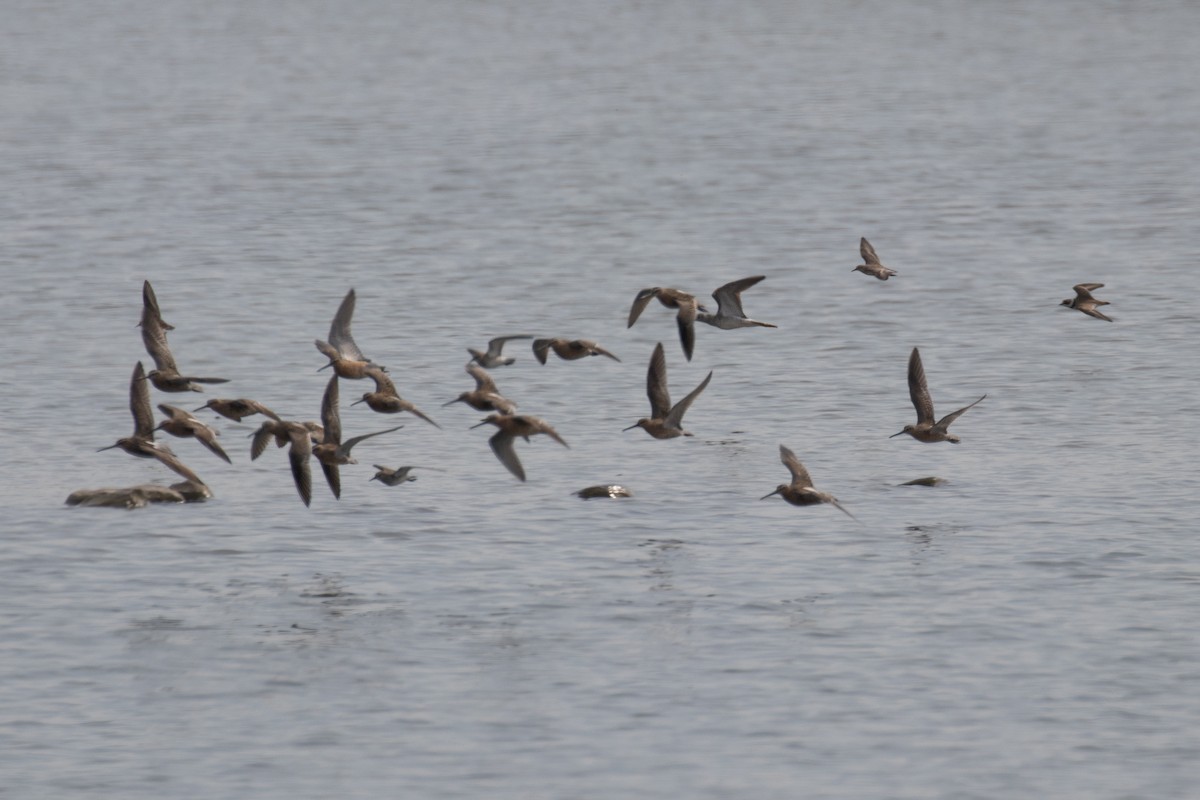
(665, 420)
(1083, 301)
(671, 298)
(800, 491)
(926, 430)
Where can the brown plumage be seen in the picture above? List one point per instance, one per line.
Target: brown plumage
(141, 443)
(485, 396)
(685, 319)
(332, 451)
(493, 358)
(1083, 301)
(343, 354)
(926, 430)
(512, 426)
(181, 423)
(237, 409)
(385, 399)
(166, 376)
(800, 491)
(665, 420)
(569, 349)
(872, 265)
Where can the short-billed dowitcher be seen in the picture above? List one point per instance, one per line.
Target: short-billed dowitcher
(1083, 301)
(729, 306)
(397, 476)
(493, 358)
(332, 451)
(343, 354)
(685, 319)
(300, 436)
(141, 443)
(166, 376)
(569, 349)
(386, 400)
(511, 426)
(665, 421)
(485, 397)
(800, 491)
(239, 408)
(181, 423)
(281, 431)
(926, 430)
(872, 266)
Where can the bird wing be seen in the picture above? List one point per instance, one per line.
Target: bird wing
(262, 437)
(298, 457)
(260, 408)
(169, 459)
(154, 337)
(729, 296)
(331, 420)
(502, 445)
(1084, 290)
(800, 477)
(598, 350)
(918, 389)
(383, 383)
(639, 304)
(656, 384)
(339, 330)
(208, 438)
(483, 381)
(345, 448)
(945, 421)
(139, 404)
(868, 252)
(541, 348)
(675, 418)
(174, 412)
(333, 477)
(495, 346)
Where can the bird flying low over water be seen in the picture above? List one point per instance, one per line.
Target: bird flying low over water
(166, 376)
(181, 423)
(485, 396)
(493, 358)
(343, 354)
(872, 265)
(729, 306)
(141, 443)
(397, 476)
(665, 420)
(386, 400)
(569, 349)
(1083, 301)
(685, 319)
(239, 408)
(926, 430)
(300, 435)
(332, 451)
(511, 426)
(800, 491)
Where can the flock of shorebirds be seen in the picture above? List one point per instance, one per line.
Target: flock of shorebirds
(323, 441)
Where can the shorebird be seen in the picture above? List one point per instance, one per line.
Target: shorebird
(729, 306)
(141, 443)
(343, 354)
(800, 491)
(512, 426)
(397, 476)
(281, 431)
(926, 430)
(485, 397)
(385, 399)
(332, 451)
(1083, 301)
(665, 421)
(569, 349)
(150, 308)
(237, 409)
(166, 376)
(492, 357)
(873, 266)
(181, 423)
(671, 298)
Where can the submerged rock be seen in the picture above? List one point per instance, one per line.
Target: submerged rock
(604, 491)
(141, 495)
(930, 481)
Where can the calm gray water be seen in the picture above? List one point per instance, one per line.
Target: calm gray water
(1028, 629)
